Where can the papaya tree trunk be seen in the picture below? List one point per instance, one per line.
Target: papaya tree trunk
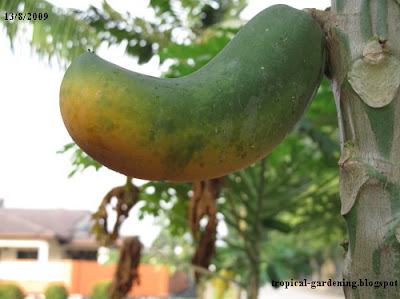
(254, 255)
(364, 69)
(252, 288)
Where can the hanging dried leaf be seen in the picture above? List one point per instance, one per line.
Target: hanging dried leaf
(126, 273)
(202, 203)
(127, 196)
(205, 248)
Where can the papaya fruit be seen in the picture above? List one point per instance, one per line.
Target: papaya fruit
(219, 119)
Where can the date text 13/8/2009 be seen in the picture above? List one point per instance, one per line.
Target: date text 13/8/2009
(25, 16)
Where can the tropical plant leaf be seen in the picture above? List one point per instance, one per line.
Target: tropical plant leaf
(62, 35)
(79, 159)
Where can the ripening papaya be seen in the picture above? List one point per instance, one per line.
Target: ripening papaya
(219, 119)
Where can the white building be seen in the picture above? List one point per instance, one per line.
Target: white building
(30, 234)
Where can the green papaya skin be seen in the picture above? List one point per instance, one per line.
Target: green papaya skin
(217, 120)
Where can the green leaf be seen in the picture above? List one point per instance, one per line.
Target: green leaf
(79, 159)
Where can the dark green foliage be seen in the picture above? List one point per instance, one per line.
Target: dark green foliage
(100, 290)
(320, 123)
(56, 291)
(114, 28)
(297, 200)
(159, 195)
(161, 6)
(188, 58)
(10, 291)
(272, 273)
(69, 32)
(200, 14)
(62, 35)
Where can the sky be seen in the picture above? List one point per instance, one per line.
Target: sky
(32, 175)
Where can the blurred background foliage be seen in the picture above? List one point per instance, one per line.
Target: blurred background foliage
(279, 217)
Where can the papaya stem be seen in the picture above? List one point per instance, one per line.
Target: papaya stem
(320, 16)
